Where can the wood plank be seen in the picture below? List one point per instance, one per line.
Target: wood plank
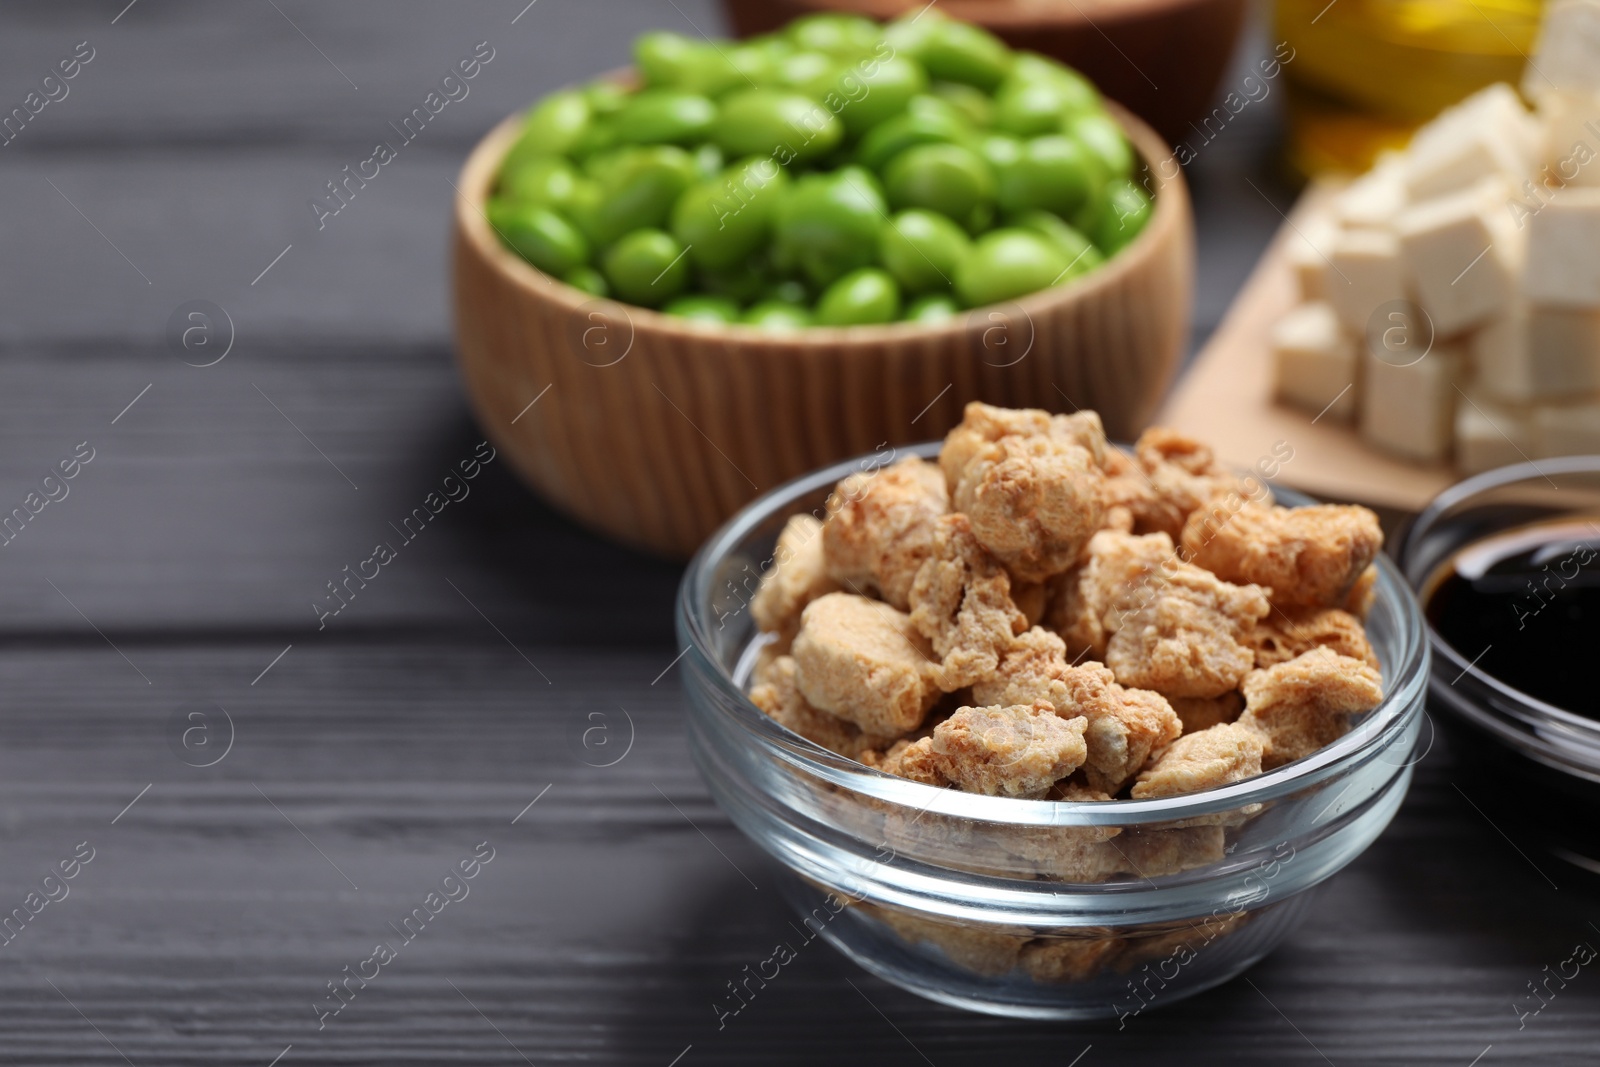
(206, 925)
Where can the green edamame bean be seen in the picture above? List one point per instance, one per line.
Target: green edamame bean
(708, 161)
(961, 52)
(1082, 255)
(550, 182)
(874, 91)
(1054, 173)
(788, 291)
(584, 210)
(1008, 263)
(1127, 210)
(861, 297)
(589, 280)
(828, 224)
(974, 104)
(836, 35)
(779, 316)
(646, 267)
(539, 235)
(1028, 108)
(664, 116)
(605, 97)
(552, 127)
(923, 250)
(947, 178)
(1100, 134)
(743, 283)
(673, 61)
(808, 73)
(999, 150)
(724, 222)
(639, 189)
(1082, 97)
(935, 307)
(922, 124)
(715, 309)
(755, 65)
(767, 121)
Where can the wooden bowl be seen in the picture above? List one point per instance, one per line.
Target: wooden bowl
(653, 430)
(1163, 59)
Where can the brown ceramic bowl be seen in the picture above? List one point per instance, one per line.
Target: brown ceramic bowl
(653, 429)
(1162, 59)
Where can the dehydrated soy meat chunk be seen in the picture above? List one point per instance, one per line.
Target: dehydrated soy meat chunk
(1308, 557)
(1016, 751)
(863, 661)
(798, 575)
(961, 601)
(880, 528)
(1306, 703)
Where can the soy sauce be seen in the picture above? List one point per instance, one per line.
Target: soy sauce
(1524, 606)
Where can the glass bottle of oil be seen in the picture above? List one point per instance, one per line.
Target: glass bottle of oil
(1366, 73)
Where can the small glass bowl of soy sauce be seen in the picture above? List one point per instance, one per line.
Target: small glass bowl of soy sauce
(1507, 568)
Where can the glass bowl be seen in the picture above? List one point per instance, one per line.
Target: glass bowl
(1024, 907)
(1544, 760)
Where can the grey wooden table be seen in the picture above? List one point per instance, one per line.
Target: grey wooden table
(161, 614)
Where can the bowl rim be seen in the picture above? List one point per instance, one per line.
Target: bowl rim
(1401, 704)
(1450, 498)
(1169, 213)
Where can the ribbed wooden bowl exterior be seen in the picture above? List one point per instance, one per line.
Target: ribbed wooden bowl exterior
(654, 430)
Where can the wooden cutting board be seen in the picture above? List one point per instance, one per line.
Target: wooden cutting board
(1225, 399)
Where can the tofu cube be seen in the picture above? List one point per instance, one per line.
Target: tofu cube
(1461, 256)
(1315, 362)
(1488, 134)
(1374, 199)
(1567, 55)
(1363, 274)
(1307, 247)
(1567, 430)
(1570, 143)
(1409, 410)
(1489, 435)
(1535, 352)
(1563, 257)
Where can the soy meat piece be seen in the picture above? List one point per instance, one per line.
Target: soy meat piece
(863, 661)
(1289, 632)
(915, 760)
(1069, 959)
(1155, 853)
(961, 602)
(1308, 557)
(1017, 751)
(880, 528)
(1123, 725)
(798, 575)
(979, 949)
(1170, 476)
(982, 424)
(778, 694)
(1206, 759)
(1185, 638)
(1084, 596)
(1033, 501)
(1201, 713)
(1306, 703)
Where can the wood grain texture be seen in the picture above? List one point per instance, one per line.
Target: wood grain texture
(413, 726)
(657, 430)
